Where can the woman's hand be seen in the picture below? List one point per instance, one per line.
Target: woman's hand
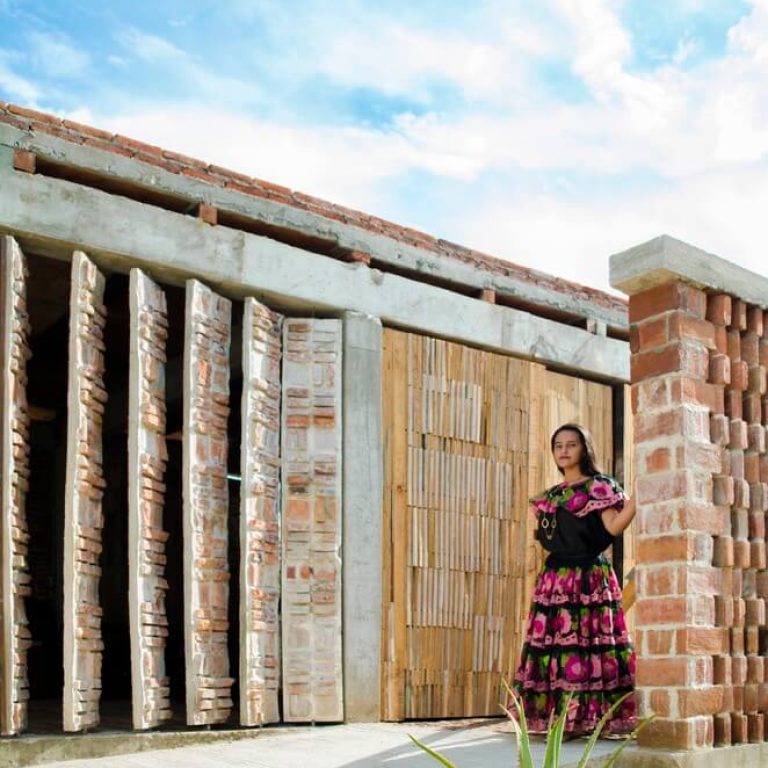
(616, 521)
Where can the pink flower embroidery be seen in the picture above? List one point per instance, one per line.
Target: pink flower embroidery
(564, 620)
(595, 662)
(606, 622)
(539, 626)
(574, 669)
(577, 501)
(601, 489)
(610, 669)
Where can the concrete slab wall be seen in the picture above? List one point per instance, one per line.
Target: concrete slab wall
(362, 526)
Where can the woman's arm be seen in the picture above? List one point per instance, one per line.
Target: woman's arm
(616, 521)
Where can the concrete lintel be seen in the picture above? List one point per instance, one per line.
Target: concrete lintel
(362, 532)
(348, 236)
(54, 217)
(664, 259)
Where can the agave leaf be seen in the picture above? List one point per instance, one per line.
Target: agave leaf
(524, 756)
(615, 754)
(440, 759)
(555, 736)
(596, 733)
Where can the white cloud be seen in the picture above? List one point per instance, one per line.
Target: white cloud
(56, 56)
(14, 86)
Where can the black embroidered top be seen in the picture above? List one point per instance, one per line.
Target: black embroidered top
(568, 515)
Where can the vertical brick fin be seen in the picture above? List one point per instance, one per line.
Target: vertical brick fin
(14, 478)
(311, 535)
(83, 516)
(259, 516)
(147, 458)
(207, 336)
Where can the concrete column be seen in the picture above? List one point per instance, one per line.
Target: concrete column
(363, 479)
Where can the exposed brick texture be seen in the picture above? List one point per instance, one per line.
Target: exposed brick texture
(84, 520)
(147, 457)
(311, 471)
(259, 516)
(14, 476)
(699, 386)
(206, 505)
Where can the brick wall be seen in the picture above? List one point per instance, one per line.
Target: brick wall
(699, 396)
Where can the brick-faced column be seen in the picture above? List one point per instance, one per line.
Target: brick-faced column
(676, 633)
(84, 490)
(259, 516)
(147, 457)
(14, 480)
(207, 336)
(699, 358)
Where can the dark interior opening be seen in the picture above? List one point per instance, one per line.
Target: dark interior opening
(48, 306)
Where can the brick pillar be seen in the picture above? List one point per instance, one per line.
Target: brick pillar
(677, 635)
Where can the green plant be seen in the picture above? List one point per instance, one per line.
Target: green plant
(554, 742)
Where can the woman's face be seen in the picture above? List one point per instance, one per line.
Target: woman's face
(567, 449)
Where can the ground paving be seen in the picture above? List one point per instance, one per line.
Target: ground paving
(468, 743)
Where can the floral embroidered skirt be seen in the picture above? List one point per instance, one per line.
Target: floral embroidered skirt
(576, 640)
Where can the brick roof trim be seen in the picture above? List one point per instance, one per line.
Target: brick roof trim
(27, 119)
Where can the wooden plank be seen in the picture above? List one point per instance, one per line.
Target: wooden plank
(207, 335)
(147, 458)
(83, 517)
(14, 476)
(259, 516)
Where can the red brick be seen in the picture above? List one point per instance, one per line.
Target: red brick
(739, 375)
(742, 553)
(722, 489)
(750, 349)
(660, 702)
(722, 726)
(700, 701)
(685, 327)
(650, 395)
(740, 494)
(694, 733)
(719, 369)
(734, 408)
(738, 434)
(702, 640)
(739, 315)
(752, 407)
(681, 357)
(663, 298)
(755, 320)
(721, 340)
(750, 697)
(657, 642)
(706, 518)
(687, 390)
(739, 730)
(684, 546)
(721, 673)
(658, 460)
(756, 525)
(649, 334)
(755, 727)
(487, 294)
(33, 114)
(755, 612)
(763, 352)
(719, 308)
(208, 213)
(722, 555)
(719, 429)
(25, 161)
(734, 345)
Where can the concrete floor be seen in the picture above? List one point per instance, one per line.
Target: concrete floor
(469, 743)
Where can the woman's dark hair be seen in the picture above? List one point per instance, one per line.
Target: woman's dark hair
(588, 464)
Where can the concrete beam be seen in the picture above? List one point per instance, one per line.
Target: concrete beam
(664, 259)
(361, 529)
(385, 249)
(55, 217)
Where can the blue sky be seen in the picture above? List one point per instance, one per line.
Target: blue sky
(551, 133)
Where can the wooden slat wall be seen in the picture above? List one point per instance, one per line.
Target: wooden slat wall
(466, 442)
(456, 446)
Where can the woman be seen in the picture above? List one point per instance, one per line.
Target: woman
(576, 637)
